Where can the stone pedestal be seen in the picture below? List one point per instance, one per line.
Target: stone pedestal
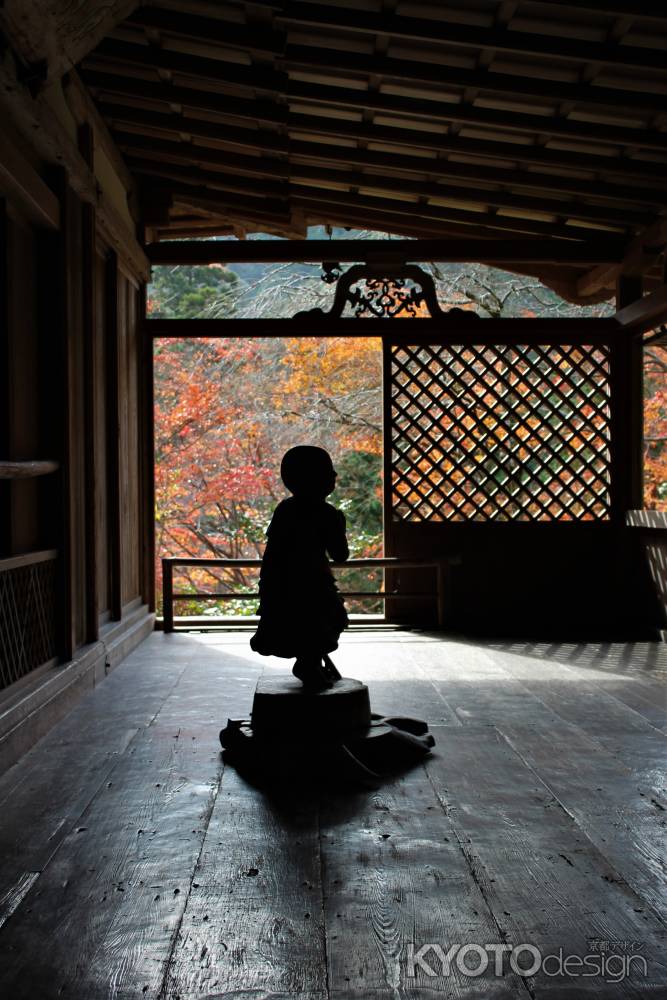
(294, 733)
(281, 706)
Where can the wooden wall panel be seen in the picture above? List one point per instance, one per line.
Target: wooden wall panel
(23, 403)
(100, 432)
(129, 436)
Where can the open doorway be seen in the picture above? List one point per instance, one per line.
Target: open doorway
(226, 410)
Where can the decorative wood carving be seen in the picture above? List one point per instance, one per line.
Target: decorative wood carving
(382, 292)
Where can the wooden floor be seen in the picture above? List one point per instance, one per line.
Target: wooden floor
(134, 864)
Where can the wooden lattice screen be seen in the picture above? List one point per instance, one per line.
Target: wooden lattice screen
(489, 432)
(27, 614)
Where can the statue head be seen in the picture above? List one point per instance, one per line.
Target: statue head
(308, 472)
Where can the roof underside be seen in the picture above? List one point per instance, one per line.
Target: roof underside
(476, 118)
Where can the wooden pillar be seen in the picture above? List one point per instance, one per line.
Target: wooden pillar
(5, 387)
(56, 343)
(628, 384)
(147, 443)
(86, 147)
(113, 436)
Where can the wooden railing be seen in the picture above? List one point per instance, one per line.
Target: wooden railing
(437, 592)
(26, 470)
(27, 614)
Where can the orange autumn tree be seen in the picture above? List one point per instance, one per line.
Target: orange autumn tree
(655, 428)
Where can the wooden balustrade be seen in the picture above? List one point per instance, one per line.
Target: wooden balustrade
(170, 564)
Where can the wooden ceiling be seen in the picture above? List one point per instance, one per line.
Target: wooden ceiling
(485, 119)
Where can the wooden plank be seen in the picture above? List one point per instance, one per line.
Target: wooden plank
(396, 686)
(389, 251)
(484, 149)
(321, 157)
(622, 819)
(122, 86)
(122, 53)
(321, 56)
(228, 34)
(394, 877)
(636, 743)
(299, 92)
(115, 839)
(254, 919)
(520, 120)
(493, 222)
(540, 876)
(634, 675)
(139, 839)
(499, 38)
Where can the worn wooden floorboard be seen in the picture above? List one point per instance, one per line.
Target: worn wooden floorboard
(394, 877)
(539, 873)
(635, 673)
(625, 822)
(254, 918)
(619, 728)
(134, 865)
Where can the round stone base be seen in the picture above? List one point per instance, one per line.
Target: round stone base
(282, 705)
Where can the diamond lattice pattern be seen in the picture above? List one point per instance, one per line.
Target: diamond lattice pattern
(27, 620)
(500, 433)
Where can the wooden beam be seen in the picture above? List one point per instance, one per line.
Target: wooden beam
(264, 140)
(172, 122)
(211, 30)
(376, 182)
(303, 195)
(177, 151)
(522, 121)
(180, 152)
(51, 36)
(213, 179)
(393, 251)
(641, 253)
(498, 38)
(269, 208)
(126, 55)
(644, 313)
(85, 111)
(130, 56)
(118, 85)
(482, 148)
(595, 330)
(270, 112)
(21, 183)
(645, 9)
(35, 120)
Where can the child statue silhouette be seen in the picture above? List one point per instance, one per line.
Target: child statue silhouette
(301, 612)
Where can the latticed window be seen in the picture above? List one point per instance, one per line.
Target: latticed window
(493, 432)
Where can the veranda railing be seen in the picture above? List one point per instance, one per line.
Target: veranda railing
(436, 593)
